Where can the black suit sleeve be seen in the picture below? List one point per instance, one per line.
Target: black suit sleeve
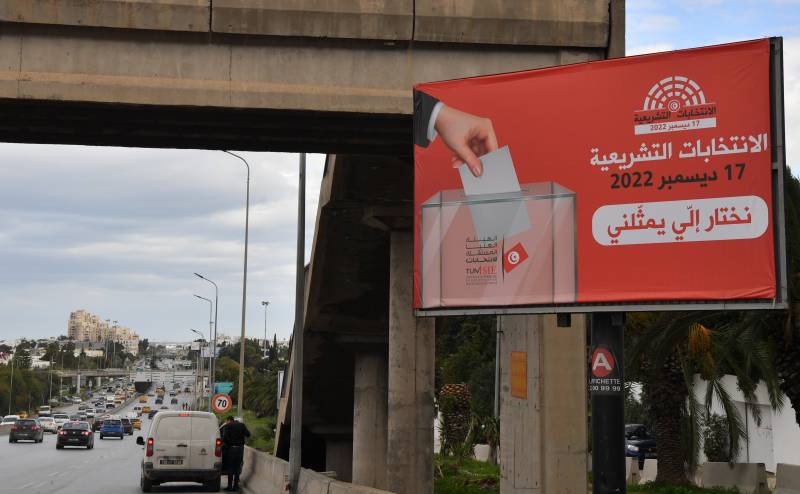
(423, 107)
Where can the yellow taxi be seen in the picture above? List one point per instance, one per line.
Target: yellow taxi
(143, 399)
(137, 423)
(23, 414)
(145, 409)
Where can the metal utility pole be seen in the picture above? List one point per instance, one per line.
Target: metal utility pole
(212, 368)
(606, 382)
(297, 363)
(114, 343)
(50, 392)
(265, 304)
(11, 388)
(498, 331)
(240, 394)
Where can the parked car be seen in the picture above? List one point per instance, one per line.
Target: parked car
(112, 428)
(127, 426)
(60, 419)
(10, 420)
(75, 434)
(48, 424)
(639, 443)
(26, 429)
(167, 459)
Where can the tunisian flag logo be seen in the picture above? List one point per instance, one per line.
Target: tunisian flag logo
(514, 257)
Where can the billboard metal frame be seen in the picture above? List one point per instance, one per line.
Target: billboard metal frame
(781, 301)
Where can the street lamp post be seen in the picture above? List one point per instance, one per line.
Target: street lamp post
(212, 375)
(240, 394)
(210, 322)
(114, 343)
(199, 367)
(265, 304)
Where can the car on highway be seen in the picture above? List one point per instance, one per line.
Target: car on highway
(48, 424)
(23, 414)
(26, 429)
(75, 434)
(152, 413)
(10, 420)
(137, 410)
(60, 419)
(137, 424)
(99, 410)
(44, 411)
(75, 417)
(98, 422)
(159, 401)
(127, 426)
(110, 404)
(182, 447)
(112, 428)
(173, 401)
(143, 399)
(90, 413)
(165, 407)
(146, 409)
(639, 443)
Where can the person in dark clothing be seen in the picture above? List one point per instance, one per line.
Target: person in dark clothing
(234, 435)
(467, 136)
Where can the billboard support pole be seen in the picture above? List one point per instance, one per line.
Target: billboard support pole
(608, 403)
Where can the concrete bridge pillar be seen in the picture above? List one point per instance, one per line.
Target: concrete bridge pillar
(543, 430)
(410, 383)
(370, 403)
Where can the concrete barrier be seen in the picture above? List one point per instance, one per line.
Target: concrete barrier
(649, 471)
(481, 452)
(631, 470)
(787, 479)
(266, 474)
(748, 478)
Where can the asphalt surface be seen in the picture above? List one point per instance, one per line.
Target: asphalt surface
(112, 467)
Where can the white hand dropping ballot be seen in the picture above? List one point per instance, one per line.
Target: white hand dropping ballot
(492, 213)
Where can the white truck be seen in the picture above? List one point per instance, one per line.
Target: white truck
(44, 411)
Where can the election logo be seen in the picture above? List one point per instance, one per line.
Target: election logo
(514, 257)
(675, 103)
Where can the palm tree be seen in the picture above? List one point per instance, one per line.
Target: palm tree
(665, 352)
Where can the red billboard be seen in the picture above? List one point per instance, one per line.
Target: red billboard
(626, 181)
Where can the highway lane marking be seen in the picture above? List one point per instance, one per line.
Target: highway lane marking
(53, 474)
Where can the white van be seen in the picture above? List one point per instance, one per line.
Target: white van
(182, 447)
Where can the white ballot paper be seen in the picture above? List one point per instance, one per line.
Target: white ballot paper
(494, 198)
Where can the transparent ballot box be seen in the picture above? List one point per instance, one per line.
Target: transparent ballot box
(515, 248)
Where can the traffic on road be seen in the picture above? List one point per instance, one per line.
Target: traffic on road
(89, 447)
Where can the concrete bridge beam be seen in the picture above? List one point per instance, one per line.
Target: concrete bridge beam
(411, 380)
(370, 419)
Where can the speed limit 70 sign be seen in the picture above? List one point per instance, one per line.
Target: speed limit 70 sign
(221, 403)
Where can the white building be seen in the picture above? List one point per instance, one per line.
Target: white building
(775, 440)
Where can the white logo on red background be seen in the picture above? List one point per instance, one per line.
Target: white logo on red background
(603, 362)
(514, 257)
(674, 103)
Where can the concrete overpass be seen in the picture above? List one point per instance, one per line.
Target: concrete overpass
(332, 77)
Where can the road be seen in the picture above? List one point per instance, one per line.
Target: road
(112, 467)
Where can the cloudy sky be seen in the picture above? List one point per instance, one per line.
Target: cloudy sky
(119, 232)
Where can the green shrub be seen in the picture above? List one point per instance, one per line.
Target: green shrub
(716, 445)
